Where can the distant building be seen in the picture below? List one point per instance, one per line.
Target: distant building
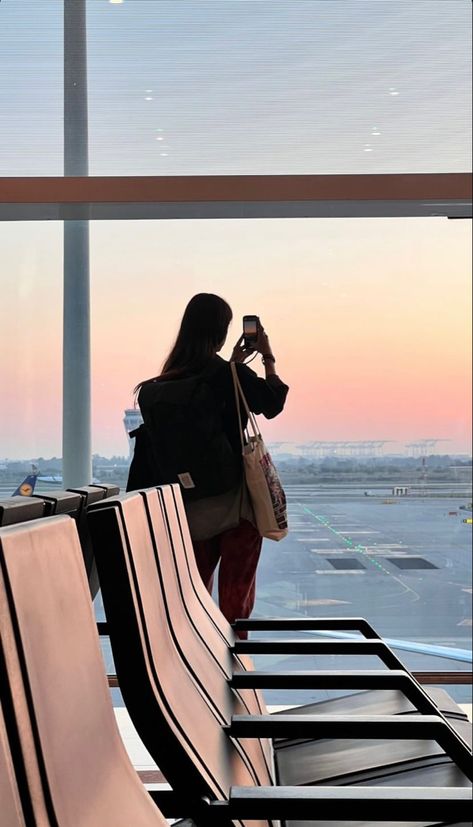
(400, 491)
(131, 420)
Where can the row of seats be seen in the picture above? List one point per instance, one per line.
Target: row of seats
(166, 632)
(71, 501)
(74, 502)
(387, 754)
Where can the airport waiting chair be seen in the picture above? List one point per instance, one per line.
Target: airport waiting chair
(89, 495)
(203, 612)
(296, 760)
(183, 720)
(18, 509)
(370, 758)
(68, 758)
(69, 764)
(110, 489)
(61, 502)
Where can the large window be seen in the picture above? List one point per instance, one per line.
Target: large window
(369, 317)
(31, 345)
(274, 86)
(279, 86)
(370, 322)
(31, 87)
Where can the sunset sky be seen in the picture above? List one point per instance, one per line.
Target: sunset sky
(369, 318)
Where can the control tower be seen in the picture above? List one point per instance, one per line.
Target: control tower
(131, 420)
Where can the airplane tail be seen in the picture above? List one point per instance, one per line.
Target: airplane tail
(26, 488)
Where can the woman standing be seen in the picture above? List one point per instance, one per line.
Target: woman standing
(190, 414)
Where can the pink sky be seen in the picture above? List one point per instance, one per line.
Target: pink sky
(369, 319)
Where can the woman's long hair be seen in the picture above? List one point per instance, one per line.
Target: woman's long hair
(203, 329)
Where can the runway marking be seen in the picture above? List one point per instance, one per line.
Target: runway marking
(362, 550)
(343, 571)
(383, 553)
(343, 525)
(328, 550)
(352, 533)
(405, 556)
(318, 601)
(320, 540)
(468, 591)
(313, 540)
(466, 622)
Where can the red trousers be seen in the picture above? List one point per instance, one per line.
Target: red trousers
(238, 551)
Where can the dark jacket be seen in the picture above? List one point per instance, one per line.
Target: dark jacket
(264, 396)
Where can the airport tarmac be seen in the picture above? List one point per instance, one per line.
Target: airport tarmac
(405, 564)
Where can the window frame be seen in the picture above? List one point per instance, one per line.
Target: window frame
(235, 196)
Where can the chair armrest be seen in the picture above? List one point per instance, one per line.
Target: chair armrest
(337, 679)
(338, 804)
(305, 624)
(319, 647)
(379, 727)
(376, 727)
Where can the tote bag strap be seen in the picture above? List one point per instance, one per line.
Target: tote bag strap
(239, 394)
(237, 402)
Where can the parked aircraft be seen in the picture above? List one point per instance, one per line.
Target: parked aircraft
(26, 488)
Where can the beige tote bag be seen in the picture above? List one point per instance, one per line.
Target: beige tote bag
(262, 480)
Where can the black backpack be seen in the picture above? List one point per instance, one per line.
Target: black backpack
(142, 472)
(186, 438)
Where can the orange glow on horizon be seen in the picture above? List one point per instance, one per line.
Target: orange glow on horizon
(369, 320)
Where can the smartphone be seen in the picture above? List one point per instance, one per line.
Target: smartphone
(250, 330)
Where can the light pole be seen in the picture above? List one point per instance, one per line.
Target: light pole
(76, 439)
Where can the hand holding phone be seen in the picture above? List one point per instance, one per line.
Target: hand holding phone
(251, 329)
(254, 338)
